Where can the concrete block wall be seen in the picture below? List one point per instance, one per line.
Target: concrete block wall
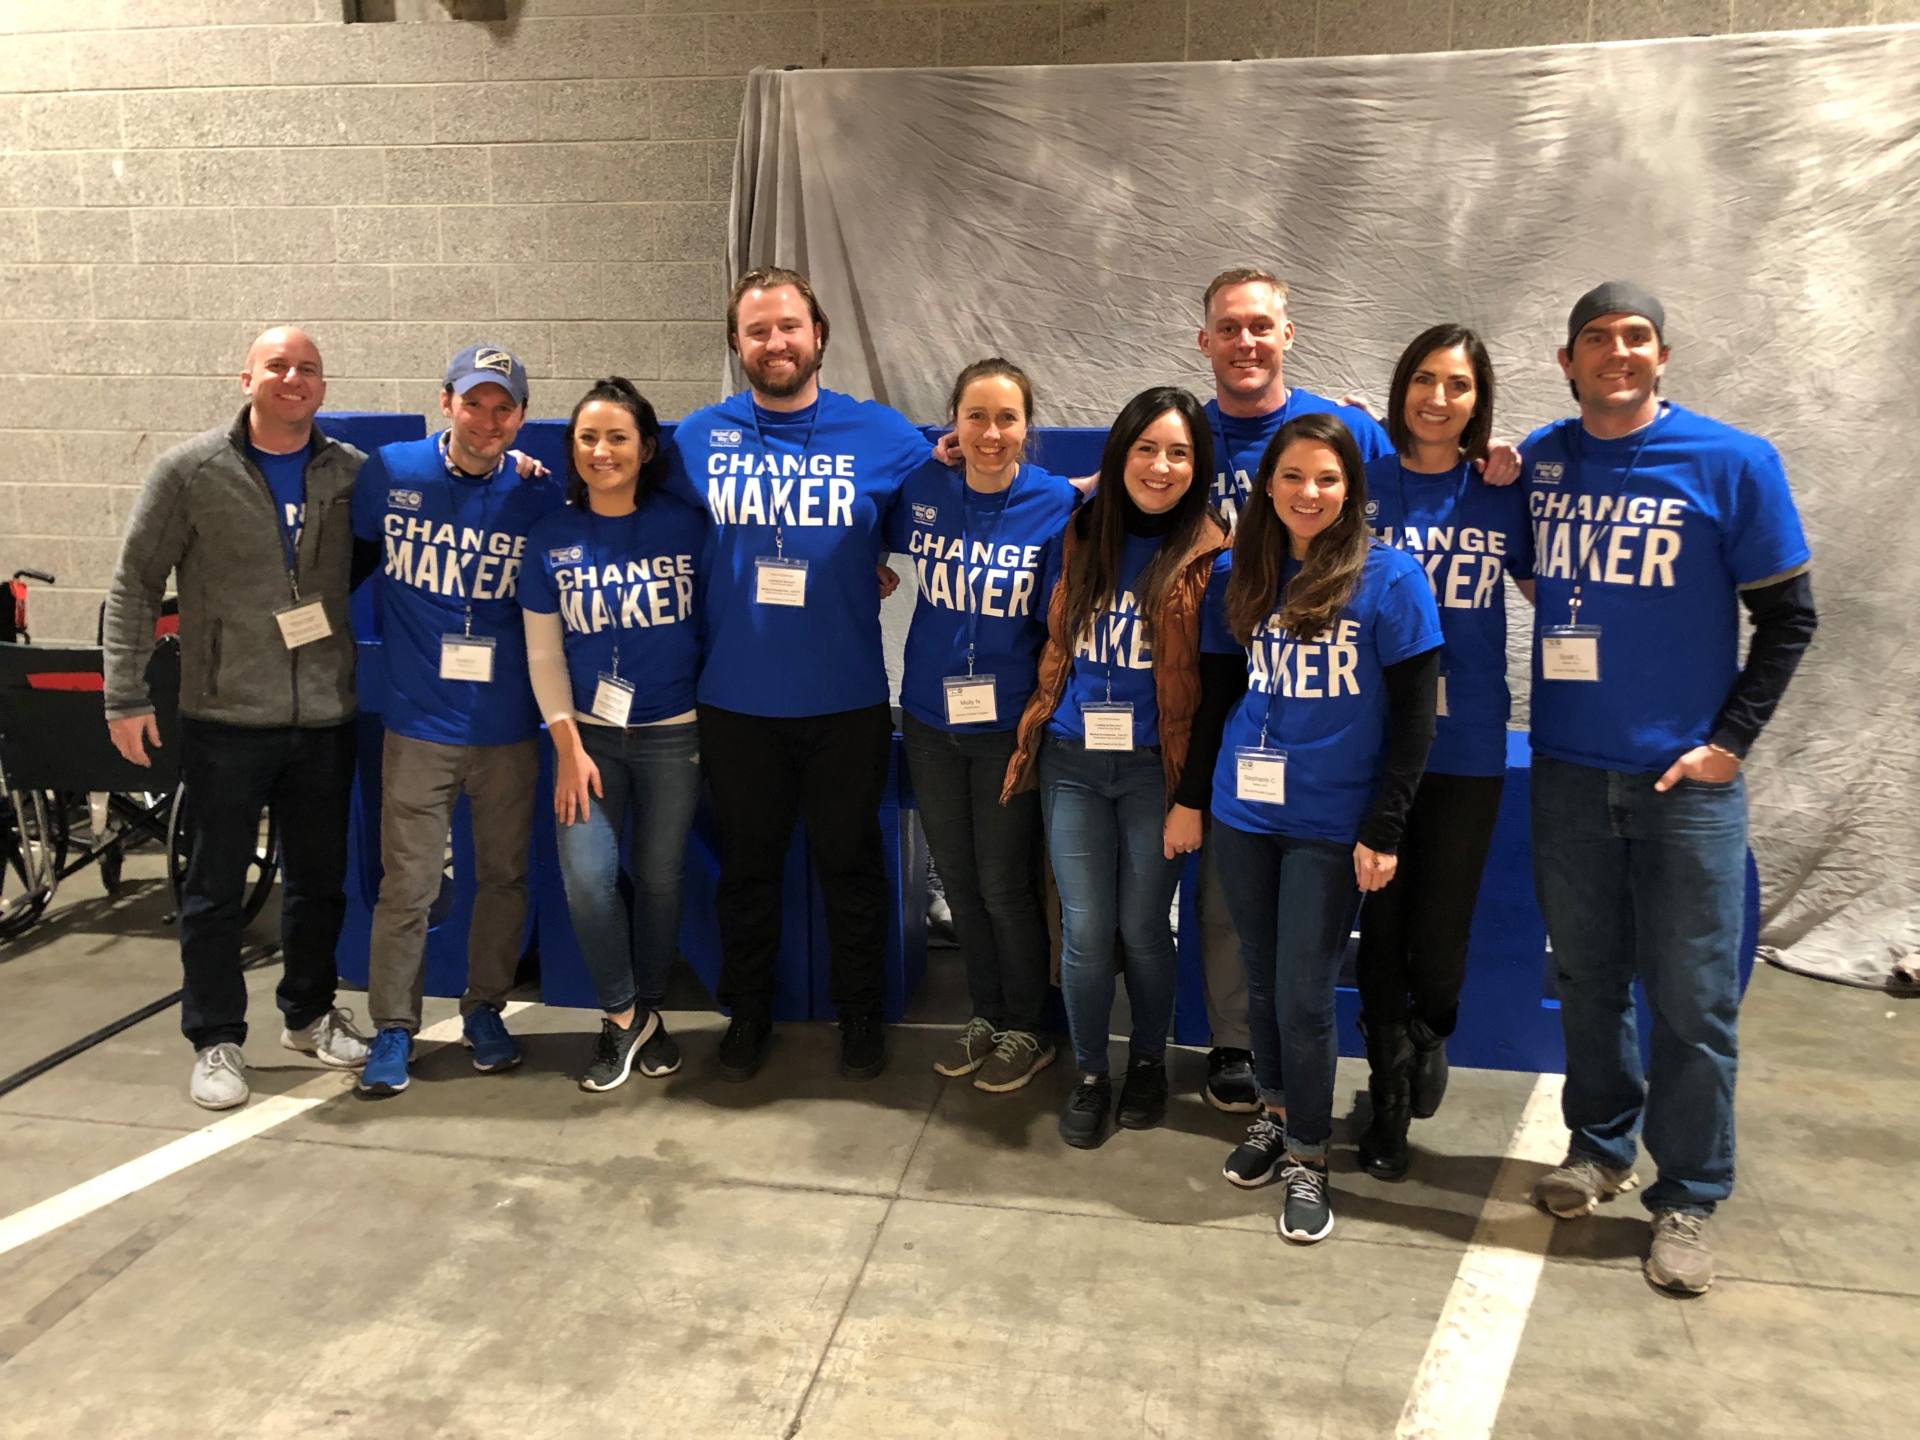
(177, 174)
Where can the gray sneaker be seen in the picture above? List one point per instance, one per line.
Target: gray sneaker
(1018, 1056)
(1578, 1185)
(969, 1050)
(219, 1077)
(1680, 1260)
(331, 1040)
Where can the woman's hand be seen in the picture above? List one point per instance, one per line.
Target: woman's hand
(1183, 831)
(1373, 869)
(574, 773)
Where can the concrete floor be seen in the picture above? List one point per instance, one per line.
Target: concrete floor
(804, 1256)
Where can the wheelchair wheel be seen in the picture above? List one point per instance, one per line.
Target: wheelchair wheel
(263, 867)
(33, 850)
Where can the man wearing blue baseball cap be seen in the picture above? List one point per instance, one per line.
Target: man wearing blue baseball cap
(451, 514)
(1654, 528)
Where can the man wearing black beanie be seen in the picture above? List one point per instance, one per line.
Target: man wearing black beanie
(1654, 526)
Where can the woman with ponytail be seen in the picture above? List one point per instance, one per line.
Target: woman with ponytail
(607, 590)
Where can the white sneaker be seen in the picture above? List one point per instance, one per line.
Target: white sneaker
(331, 1040)
(219, 1077)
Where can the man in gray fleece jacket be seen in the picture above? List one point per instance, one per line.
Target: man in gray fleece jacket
(254, 518)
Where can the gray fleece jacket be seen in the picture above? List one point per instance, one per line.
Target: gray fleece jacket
(207, 513)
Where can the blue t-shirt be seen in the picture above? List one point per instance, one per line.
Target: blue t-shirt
(451, 545)
(624, 589)
(1466, 534)
(977, 561)
(1663, 526)
(286, 477)
(1238, 443)
(1113, 659)
(1324, 702)
(825, 477)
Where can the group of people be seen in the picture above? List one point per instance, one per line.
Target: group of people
(1269, 629)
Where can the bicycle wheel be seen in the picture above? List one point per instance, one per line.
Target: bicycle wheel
(263, 866)
(33, 848)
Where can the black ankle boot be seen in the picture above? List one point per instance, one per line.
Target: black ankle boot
(1390, 1059)
(1429, 1069)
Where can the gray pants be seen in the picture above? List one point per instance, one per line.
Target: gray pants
(419, 783)
(1224, 971)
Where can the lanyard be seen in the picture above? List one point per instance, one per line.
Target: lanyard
(779, 534)
(593, 558)
(1453, 506)
(966, 556)
(1223, 452)
(1592, 542)
(484, 489)
(289, 542)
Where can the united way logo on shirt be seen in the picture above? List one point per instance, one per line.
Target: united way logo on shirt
(404, 499)
(724, 439)
(925, 514)
(1548, 472)
(567, 555)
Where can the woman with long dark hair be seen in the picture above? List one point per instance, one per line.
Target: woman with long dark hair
(1107, 733)
(607, 589)
(1319, 686)
(975, 538)
(1430, 502)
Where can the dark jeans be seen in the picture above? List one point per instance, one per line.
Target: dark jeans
(1106, 817)
(1413, 934)
(232, 772)
(653, 773)
(1292, 903)
(985, 854)
(830, 770)
(1636, 883)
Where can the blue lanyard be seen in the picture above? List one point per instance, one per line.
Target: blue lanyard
(753, 410)
(1578, 454)
(1222, 461)
(966, 554)
(1463, 472)
(484, 489)
(593, 558)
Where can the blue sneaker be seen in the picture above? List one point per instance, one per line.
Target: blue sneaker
(385, 1072)
(486, 1036)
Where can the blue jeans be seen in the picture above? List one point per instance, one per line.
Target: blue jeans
(652, 771)
(986, 855)
(1636, 883)
(1292, 903)
(1106, 815)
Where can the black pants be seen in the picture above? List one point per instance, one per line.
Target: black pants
(1413, 934)
(830, 770)
(231, 773)
(986, 854)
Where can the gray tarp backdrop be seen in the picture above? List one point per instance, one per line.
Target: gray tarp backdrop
(1767, 187)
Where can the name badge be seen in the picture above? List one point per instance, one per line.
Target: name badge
(1109, 725)
(970, 699)
(467, 657)
(779, 582)
(303, 624)
(1260, 774)
(1570, 652)
(612, 699)
(1440, 698)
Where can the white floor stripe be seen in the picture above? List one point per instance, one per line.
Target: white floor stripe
(257, 1117)
(1458, 1389)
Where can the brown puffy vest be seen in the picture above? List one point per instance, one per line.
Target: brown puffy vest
(1176, 663)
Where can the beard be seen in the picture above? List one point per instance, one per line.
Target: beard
(792, 384)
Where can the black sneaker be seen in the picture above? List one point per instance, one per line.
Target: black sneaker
(743, 1049)
(659, 1052)
(863, 1046)
(1084, 1123)
(1230, 1084)
(1143, 1095)
(1256, 1159)
(613, 1053)
(1307, 1214)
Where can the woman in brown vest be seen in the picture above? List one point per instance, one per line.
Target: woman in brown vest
(1107, 734)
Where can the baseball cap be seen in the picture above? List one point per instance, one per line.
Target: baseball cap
(488, 365)
(1616, 297)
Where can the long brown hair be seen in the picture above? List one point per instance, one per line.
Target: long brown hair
(619, 390)
(1093, 577)
(1335, 558)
